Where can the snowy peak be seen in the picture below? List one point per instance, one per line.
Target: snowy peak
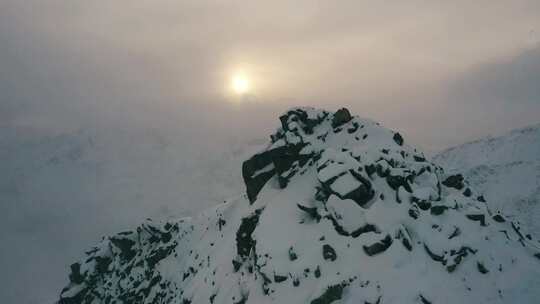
(338, 209)
(317, 137)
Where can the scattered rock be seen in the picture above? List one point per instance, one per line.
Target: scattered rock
(292, 254)
(331, 294)
(499, 218)
(477, 217)
(317, 271)
(244, 241)
(438, 210)
(329, 253)
(481, 268)
(311, 211)
(424, 300)
(279, 278)
(378, 247)
(454, 181)
(341, 117)
(398, 139)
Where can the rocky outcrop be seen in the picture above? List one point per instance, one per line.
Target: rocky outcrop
(337, 208)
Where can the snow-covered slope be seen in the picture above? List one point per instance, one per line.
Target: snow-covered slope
(337, 210)
(505, 169)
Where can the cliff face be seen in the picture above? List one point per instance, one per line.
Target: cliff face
(337, 209)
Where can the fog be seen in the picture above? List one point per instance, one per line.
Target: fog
(115, 111)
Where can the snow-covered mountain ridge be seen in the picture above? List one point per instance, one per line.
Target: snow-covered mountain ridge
(505, 169)
(337, 210)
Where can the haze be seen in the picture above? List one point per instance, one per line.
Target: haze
(136, 75)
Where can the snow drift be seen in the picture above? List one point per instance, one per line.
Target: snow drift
(337, 210)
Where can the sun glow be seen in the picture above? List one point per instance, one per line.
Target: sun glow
(240, 84)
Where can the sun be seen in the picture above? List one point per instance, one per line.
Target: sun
(240, 84)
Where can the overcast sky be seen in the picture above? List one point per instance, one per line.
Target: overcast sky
(440, 72)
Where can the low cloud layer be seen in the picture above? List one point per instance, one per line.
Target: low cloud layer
(127, 94)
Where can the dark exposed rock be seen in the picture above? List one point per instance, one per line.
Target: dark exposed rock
(364, 193)
(244, 242)
(317, 271)
(413, 212)
(396, 181)
(458, 256)
(432, 255)
(361, 195)
(159, 254)
(364, 229)
(356, 233)
(322, 194)
(329, 253)
(424, 300)
(456, 232)
(236, 265)
(398, 139)
(370, 169)
(341, 117)
(378, 247)
(353, 128)
(125, 245)
(467, 192)
(243, 300)
(438, 210)
(279, 278)
(481, 199)
(419, 158)
(404, 236)
(254, 183)
(311, 211)
(477, 217)
(481, 268)
(292, 255)
(331, 294)
(75, 276)
(454, 181)
(499, 218)
(221, 223)
(102, 264)
(422, 204)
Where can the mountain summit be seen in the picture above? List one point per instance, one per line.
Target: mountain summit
(337, 210)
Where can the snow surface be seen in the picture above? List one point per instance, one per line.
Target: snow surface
(505, 169)
(406, 237)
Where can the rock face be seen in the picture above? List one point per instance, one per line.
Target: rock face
(337, 210)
